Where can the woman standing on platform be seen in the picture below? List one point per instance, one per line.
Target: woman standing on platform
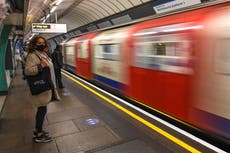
(37, 60)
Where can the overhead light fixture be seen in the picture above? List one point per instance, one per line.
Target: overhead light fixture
(47, 16)
(55, 2)
(53, 9)
(58, 2)
(32, 35)
(43, 18)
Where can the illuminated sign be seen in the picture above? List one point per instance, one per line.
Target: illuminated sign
(170, 5)
(48, 28)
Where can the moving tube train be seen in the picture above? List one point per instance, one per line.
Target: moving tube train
(177, 64)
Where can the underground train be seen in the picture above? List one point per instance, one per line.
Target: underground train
(177, 64)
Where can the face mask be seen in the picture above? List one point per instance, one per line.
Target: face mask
(41, 47)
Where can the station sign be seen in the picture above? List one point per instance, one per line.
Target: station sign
(48, 28)
(170, 5)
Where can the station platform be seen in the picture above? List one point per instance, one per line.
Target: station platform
(81, 122)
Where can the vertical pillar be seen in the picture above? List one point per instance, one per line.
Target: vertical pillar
(3, 44)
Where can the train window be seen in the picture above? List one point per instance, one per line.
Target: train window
(169, 52)
(82, 49)
(159, 49)
(222, 56)
(107, 51)
(177, 48)
(69, 53)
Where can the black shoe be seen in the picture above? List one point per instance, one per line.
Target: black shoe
(43, 138)
(44, 132)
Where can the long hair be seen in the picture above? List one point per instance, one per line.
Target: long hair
(32, 44)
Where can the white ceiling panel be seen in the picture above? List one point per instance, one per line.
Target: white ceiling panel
(77, 18)
(144, 1)
(89, 12)
(117, 4)
(74, 21)
(65, 4)
(95, 8)
(135, 2)
(92, 9)
(97, 4)
(104, 6)
(81, 14)
(84, 13)
(126, 3)
(112, 6)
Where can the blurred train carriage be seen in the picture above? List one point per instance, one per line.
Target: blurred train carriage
(110, 59)
(68, 51)
(211, 84)
(83, 56)
(177, 64)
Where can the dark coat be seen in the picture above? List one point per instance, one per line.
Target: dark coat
(57, 59)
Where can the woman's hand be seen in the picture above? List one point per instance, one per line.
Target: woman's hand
(44, 63)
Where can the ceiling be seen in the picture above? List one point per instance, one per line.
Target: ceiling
(75, 13)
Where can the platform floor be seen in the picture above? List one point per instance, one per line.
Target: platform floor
(80, 122)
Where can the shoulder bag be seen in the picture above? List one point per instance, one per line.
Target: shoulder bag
(40, 82)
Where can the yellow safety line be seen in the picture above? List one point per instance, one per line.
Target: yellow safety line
(150, 125)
